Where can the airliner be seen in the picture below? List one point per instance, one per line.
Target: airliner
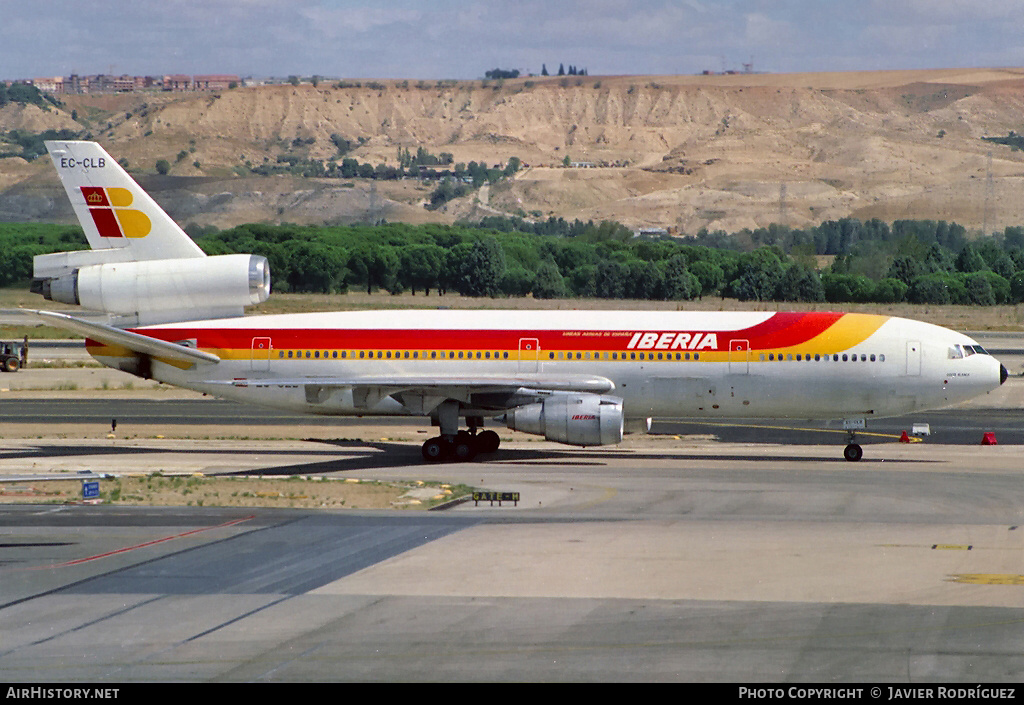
(582, 378)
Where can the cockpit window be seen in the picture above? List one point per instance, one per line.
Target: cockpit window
(955, 352)
(967, 351)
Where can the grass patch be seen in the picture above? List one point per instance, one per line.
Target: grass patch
(300, 492)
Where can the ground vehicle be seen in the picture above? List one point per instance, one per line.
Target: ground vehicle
(13, 356)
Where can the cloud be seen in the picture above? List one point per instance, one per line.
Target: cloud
(463, 38)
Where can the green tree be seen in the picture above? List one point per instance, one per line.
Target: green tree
(710, 275)
(969, 260)
(549, 283)
(800, 283)
(481, 270)
(422, 267)
(679, 283)
(758, 275)
(162, 166)
(315, 267)
(611, 280)
(374, 265)
(979, 290)
(890, 291)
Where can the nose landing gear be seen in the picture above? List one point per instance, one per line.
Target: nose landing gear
(853, 452)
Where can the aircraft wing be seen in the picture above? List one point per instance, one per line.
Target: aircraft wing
(562, 383)
(115, 336)
(422, 394)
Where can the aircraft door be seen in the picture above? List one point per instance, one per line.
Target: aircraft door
(260, 357)
(529, 355)
(739, 357)
(913, 358)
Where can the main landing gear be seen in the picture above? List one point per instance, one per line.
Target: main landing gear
(464, 445)
(454, 444)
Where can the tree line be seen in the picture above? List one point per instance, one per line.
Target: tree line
(915, 261)
(604, 260)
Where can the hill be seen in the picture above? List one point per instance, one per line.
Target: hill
(681, 152)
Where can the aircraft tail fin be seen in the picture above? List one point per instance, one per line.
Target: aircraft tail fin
(114, 211)
(142, 268)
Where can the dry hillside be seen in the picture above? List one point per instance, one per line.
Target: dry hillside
(679, 151)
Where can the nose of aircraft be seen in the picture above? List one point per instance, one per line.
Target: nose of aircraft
(1003, 374)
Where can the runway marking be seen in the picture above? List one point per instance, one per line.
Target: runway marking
(142, 545)
(987, 579)
(951, 547)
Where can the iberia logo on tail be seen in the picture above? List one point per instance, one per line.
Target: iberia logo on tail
(109, 210)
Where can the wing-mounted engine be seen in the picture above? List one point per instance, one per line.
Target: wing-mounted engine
(159, 291)
(576, 419)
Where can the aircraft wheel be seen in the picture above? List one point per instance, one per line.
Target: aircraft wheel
(487, 441)
(464, 449)
(435, 450)
(853, 452)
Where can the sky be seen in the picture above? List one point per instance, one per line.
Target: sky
(461, 39)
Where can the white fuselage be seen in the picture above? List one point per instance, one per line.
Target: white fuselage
(662, 365)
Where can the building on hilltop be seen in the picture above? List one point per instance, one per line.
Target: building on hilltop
(214, 82)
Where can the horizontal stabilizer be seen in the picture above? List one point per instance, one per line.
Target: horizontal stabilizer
(136, 342)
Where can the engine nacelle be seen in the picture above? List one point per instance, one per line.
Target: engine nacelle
(576, 419)
(165, 290)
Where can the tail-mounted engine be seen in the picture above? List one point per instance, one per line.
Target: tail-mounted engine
(158, 291)
(576, 419)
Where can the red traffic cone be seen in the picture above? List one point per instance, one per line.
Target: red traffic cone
(989, 439)
(905, 438)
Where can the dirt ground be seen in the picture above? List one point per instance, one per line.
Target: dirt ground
(680, 152)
